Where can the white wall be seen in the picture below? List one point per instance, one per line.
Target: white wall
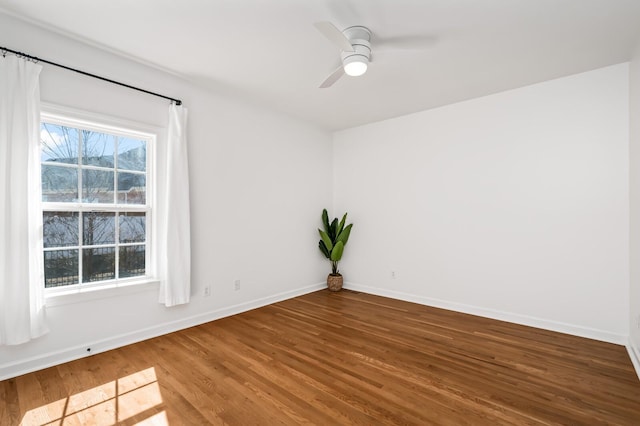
(258, 185)
(513, 206)
(634, 197)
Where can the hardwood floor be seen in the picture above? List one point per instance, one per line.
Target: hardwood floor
(338, 358)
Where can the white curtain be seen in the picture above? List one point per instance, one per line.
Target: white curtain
(22, 310)
(174, 228)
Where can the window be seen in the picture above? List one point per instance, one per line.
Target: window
(97, 210)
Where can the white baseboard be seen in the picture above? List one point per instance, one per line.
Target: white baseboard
(560, 327)
(634, 354)
(50, 359)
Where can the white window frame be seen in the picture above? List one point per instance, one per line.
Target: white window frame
(115, 126)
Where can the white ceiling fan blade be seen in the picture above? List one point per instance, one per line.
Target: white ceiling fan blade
(333, 77)
(415, 43)
(334, 35)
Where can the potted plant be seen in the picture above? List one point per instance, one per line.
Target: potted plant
(332, 241)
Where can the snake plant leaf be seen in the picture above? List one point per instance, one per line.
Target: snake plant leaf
(325, 220)
(341, 225)
(334, 227)
(324, 249)
(344, 235)
(336, 253)
(326, 240)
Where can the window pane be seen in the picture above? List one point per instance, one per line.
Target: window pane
(85, 166)
(60, 229)
(133, 227)
(132, 154)
(98, 228)
(132, 188)
(59, 143)
(98, 264)
(59, 184)
(60, 268)
(132, 260)
(97, 149)
(97, 186)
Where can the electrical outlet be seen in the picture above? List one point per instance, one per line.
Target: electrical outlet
(393, 275)
(207, 291)
(236, 285)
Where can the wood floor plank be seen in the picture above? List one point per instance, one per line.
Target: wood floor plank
(338, 358)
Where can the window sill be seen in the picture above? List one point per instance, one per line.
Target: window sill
(80, 295)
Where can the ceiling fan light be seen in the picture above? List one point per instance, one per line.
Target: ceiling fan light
(355, 65)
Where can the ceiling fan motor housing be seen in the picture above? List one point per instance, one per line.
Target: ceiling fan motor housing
(359, 38)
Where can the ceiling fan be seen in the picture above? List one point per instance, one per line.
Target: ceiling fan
(355, 46)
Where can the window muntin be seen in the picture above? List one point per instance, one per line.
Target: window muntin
(96, 203)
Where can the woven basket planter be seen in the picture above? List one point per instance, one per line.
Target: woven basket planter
(334, 282)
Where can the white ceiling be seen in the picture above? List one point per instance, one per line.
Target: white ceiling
(270, 52)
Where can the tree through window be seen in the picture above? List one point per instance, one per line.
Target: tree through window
(96, 210)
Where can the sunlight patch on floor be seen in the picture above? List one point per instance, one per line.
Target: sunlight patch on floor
(106, 404)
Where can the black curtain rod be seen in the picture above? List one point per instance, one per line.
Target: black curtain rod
(36, 59)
